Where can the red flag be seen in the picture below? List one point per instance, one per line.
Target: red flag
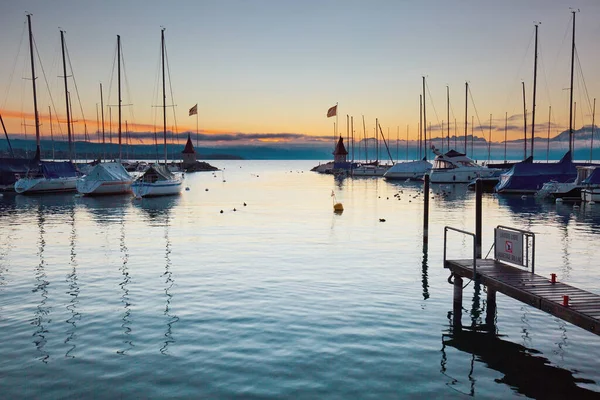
(194, 110)
(332, 112)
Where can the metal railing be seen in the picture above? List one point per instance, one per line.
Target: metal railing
(449, 228)
(527, 235)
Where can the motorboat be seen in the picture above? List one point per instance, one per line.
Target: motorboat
(590, 187)
(455, 167)
(413, 170)
(566, 191)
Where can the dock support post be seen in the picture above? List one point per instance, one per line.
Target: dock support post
(426, 211)
(457, 303)
(490, 309)
(478, 197)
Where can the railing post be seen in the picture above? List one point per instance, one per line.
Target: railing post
(478, 198)
(426, 211)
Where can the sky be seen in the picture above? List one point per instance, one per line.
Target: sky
(268, 70)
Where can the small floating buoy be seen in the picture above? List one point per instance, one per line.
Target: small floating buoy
(206, 190)
(187, 189)
(234, 209)
(338, 207)
(381, 219)
(244, 204)
(221, 211)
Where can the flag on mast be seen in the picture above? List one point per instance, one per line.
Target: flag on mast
(332, 112)
(194, 110)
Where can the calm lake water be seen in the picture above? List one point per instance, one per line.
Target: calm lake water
(281, 298)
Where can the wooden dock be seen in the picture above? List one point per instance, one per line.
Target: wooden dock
(581, 309)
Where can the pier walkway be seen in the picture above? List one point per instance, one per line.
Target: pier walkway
(574, 305)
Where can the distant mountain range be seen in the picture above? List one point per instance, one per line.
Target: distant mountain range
(553, 149)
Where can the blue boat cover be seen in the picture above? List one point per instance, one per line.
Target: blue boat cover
(59, 169)
(9, 167)
(593, 179)
(527, 176)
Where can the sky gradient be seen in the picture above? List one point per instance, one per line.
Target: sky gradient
(272, 67)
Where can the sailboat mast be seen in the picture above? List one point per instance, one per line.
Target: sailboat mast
(448, 113)
(119, 89)
(12, 154)
(62, 44)
(420, 123)
(571, 88)
(534, 88)
(365, 139)
(593, 126)
(102, 114)
(162, 54)
(51, 132)
(466, 115)
(424, 122)
(37, 118)
(524, 124)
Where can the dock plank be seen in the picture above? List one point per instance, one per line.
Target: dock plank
(538, 291)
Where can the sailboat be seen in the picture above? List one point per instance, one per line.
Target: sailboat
(413, 170)
(158, 180)
(529, 177)
(108, 177)
(50, 176)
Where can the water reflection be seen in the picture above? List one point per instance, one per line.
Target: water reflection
(169, 282)
(107, 209)
(42, 310)
(73, 292)
(126, 325)
(424, 279)
(156, 210)
(525, 371)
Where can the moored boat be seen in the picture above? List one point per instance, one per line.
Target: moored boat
(413, 170)
(455, 167)
(49, 177)
(105, 178)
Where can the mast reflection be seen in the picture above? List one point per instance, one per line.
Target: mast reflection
(169, 282)
(42, 310)
(126, 325)
(73, 292)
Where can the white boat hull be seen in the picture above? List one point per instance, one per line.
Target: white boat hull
(459, 175)
(92, 188)
(160, 188)
(46, 185)
(413, 170)
(370, 171)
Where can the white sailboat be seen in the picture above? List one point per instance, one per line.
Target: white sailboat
(47, 176)
(108, 177)
(158, 180)
(413, 170)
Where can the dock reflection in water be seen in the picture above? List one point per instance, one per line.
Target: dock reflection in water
(524, 370)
